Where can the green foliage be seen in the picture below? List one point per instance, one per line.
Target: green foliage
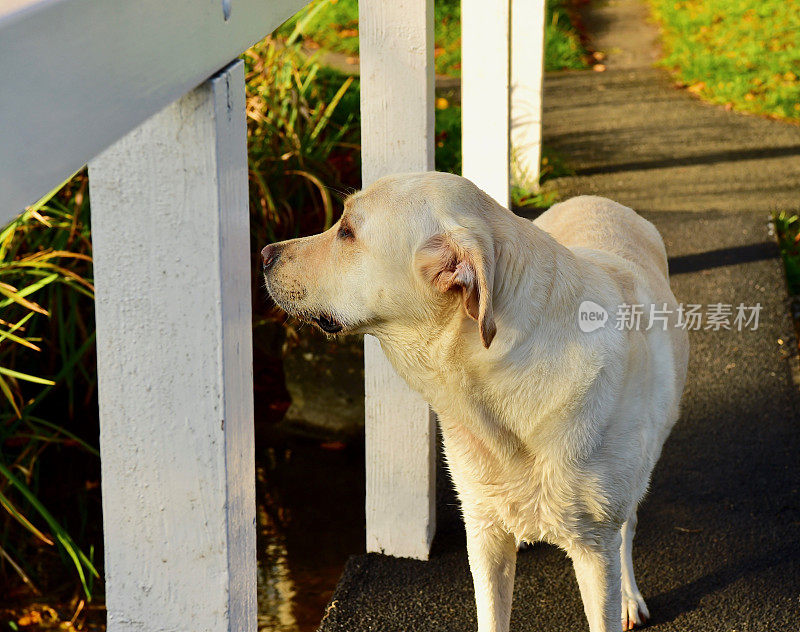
(448, 137)
(45, 260)
(301, 127)
(447, 37)
(787, 228)
(334, 26)
(562, 45)
(745, 53)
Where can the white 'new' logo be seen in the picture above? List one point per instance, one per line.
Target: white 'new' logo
(591, 316)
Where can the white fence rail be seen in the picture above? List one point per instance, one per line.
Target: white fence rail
(124, 85)
(76, 75)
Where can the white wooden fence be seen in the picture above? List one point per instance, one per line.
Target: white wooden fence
(147, 93)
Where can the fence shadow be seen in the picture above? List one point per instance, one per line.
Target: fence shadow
(721, 257)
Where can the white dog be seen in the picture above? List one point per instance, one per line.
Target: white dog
(551, 431)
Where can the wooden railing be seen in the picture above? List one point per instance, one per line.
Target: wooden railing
(147, 93)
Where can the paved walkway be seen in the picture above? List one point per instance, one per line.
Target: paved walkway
(718, 546)
(633, 136)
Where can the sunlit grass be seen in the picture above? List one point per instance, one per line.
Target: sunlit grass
(741, 53)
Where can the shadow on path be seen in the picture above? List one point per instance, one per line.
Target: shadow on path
(721, 257)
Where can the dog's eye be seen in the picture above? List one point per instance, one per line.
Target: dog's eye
(345, 232)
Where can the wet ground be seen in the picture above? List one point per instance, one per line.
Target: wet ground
(309, 484)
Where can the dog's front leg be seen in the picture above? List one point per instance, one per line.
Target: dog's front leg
(492, 560)
(597, 567)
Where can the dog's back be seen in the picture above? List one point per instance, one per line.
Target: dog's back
(588, 224)
(598, 223)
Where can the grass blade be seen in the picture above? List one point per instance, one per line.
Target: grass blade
(30, 289)
(331, 107)
(9, 396)
(26, 377)
(73, 551)
(15, 513)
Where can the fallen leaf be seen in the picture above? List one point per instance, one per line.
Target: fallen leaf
(32, 618)
(599, 67)
(333, 445)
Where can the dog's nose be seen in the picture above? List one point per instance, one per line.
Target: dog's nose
(269, 255)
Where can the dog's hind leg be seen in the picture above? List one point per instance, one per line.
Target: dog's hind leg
(634, 610)
(492, 560)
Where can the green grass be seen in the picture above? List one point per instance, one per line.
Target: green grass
(334, 26)
(741, 53)
(562, 46)
(787, 228)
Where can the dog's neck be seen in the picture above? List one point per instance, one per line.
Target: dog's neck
(527, 264)
(536, 280)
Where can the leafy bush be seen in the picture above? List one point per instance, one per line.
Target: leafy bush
(297, 140)
(563, 49)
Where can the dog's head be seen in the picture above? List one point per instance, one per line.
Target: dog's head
(410, 252)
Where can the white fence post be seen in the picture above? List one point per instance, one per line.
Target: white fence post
(397, 130)
(171, 244)
(485, 104)
(527, 73)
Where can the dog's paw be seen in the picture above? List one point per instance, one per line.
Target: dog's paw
(634, 611)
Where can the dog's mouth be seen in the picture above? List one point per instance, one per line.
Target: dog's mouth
(325, 322)
(328, 324)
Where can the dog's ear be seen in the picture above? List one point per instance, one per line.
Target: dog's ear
(450, 265)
